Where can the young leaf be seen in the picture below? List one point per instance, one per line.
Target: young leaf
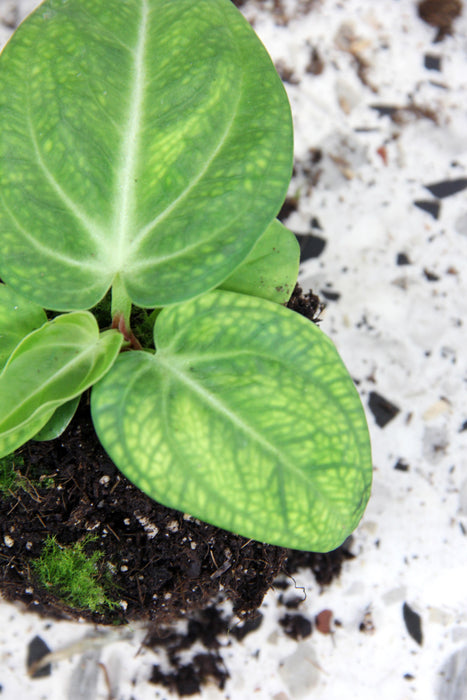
(51, 366)
(246, 418)
(149, 139)
(18, 317)
(59, 421)
(271, 269)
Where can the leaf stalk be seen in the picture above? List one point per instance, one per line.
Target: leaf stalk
(121, 312)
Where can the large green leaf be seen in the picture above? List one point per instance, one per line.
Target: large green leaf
(18, 317)
(59, 420)
(270, 271)
(49, 367)
(148, 138)
(246, 418)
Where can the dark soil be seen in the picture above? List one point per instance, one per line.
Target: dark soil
(165, 565)
(180, 569)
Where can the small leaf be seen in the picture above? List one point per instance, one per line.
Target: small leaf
(147, 139)
(271, 269)
(59, 421)
(18, 317)
(246, 418)
(51, 366)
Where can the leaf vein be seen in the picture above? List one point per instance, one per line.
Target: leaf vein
(149, 227)
(89, 224)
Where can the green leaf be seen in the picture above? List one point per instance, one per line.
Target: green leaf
(271, 269)
(59, 421)
(149, 139)
(18, 317)
(245, 418)
(51, 366)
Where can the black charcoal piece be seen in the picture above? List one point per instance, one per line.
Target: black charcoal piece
(382, 409)
(296, 626)
(429, 205)
(330, 296)
(384, 110)
(315, 223)
(413, 623)
(294, 602)
(251, 625)
(37, 649)
(446, 188)
(432, 62)
(403, 259)
(401, 466)
(310, 246)
(463, 426)
(430, 276)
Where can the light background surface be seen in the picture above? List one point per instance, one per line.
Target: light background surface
(401, 331)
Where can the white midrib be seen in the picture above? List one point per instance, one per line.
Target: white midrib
(124, 193)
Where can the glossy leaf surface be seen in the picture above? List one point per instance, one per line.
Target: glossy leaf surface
(246, 418)
(59, 421)
(51, 366)
(270, 271)
(148, 138)
(18, 317)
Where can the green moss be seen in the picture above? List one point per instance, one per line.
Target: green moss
(47, 482)
(10, 481)
(73, 575)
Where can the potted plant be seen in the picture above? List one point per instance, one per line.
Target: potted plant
(145, 151)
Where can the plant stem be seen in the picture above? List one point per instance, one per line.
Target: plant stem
(121, 302)
(118, 322)
(121, 312)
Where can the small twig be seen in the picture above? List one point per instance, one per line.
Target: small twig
(112, 531)
(18, 501)
(117, 481)
(104, 670)
(42, 522)
(82, 645)
(223, 568)
(140, 595)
